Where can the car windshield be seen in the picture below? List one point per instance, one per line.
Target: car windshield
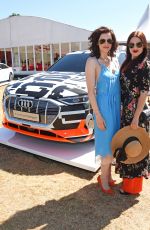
(70, 63)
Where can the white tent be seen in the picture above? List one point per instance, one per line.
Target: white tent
(144, 23)
(28, 30)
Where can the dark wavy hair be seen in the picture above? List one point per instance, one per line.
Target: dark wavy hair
(93, 40)
(128, 61)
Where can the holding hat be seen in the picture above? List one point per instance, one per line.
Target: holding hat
(131, 144)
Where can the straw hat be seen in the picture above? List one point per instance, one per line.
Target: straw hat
(130, 146)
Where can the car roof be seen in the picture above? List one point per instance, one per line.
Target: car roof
(79, 52)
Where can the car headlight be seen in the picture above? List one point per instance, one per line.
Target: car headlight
(6, 92)
(74, 100)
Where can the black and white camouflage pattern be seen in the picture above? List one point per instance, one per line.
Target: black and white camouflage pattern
(49, 92)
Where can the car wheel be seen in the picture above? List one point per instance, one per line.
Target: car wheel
(10, 77)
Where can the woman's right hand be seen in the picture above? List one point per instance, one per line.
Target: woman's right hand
(100, 122)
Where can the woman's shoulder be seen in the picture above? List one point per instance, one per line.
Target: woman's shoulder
(91, 61)
(148, 62)
(145, 64)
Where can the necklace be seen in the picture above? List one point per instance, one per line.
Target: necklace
(105, 60)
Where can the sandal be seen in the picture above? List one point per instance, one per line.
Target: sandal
(123, 192)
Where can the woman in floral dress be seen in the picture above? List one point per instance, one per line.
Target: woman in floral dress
(135, 83)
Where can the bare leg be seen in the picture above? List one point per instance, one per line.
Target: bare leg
(105, 171)
(110, 176)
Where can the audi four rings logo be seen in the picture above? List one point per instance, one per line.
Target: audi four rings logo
(26, 104)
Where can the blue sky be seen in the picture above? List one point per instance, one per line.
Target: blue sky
(121, 16)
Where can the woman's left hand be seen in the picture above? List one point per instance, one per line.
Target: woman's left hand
(134, 123)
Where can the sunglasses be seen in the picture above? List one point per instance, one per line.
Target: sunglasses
(132, 45)
(102, 41)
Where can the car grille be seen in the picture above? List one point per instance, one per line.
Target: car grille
(43, 112)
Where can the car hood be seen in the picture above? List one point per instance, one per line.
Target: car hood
(50, 85)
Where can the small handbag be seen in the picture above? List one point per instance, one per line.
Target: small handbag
(145, 116)
(90, 121)
(145, 119)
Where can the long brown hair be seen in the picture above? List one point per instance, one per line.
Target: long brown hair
(94, 37)
(128, 61)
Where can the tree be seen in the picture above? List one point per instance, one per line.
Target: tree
(14, 14)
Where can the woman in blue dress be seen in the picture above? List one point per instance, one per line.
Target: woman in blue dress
(102, 78)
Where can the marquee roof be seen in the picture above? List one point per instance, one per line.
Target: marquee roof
(29, 30)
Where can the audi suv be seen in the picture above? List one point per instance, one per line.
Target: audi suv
(51, 105)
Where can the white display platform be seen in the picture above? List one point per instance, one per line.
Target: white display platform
(80, 155)
(4, 83)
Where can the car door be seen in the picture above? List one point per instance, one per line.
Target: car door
(4, 72)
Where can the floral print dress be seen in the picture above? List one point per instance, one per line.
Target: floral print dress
(135, 79)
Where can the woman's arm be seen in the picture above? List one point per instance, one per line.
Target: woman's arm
(139, 109)
(144, 83)
(90, 71)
